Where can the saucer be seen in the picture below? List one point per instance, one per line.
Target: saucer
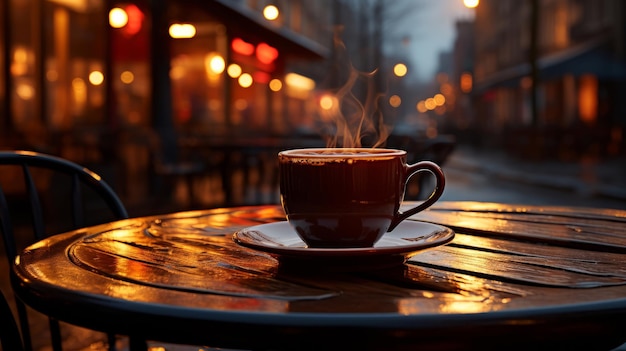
(281, 241)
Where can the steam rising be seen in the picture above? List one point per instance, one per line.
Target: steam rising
(355, 123)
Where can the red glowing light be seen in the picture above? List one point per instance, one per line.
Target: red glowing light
(135, 17)
(266, 54)
(261, 77)
(241, 47)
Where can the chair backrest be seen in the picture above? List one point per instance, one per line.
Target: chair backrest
(10, 338)
(49, 186)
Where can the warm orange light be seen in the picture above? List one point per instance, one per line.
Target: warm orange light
(118, 18)
(588, 98)
(270, 12)
(275, 84)
(25, 91)
(182, 31)
(400, 69)
(266, 54)
(430, 104)
(127, 77)
(395, 101)
(466, 82)
(421, 107)
(327, 102)
(79, 89)
(297, 81)
(245, 80)
(439, 99)
(96, 78)
(20, 61)
(234, 70)
(471, 3)
(241, 47)
(215, 63)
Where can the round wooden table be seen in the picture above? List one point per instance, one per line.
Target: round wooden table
(513, 277)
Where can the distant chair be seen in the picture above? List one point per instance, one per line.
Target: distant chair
(60, 196)
(10, 337)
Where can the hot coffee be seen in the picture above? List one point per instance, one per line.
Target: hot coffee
(347, 197)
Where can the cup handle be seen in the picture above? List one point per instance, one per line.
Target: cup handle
(410, 170)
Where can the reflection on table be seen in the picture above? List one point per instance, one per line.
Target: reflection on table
(513, 277)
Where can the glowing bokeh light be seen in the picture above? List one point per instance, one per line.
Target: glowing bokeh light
(327, 102)
(275, 84)
(118, 18)
(135, 20)
(127, 77)
(234, 70)
(430, 104)
(182, 31)
(466, 82)
(266, 54)
(400, 69)
(25, 91)
(270, 12)
(216, 63)
(245, 80)
(395, 101)
(297, 81)
(471, 3)
(439, 99)
(241, 47)
(421, 107)
(96, 78)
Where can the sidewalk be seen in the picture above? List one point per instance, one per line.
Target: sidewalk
(606, 178)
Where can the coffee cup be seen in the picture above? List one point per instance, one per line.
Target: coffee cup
(348, 197)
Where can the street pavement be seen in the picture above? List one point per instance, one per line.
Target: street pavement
(491, 175)
(471, 174)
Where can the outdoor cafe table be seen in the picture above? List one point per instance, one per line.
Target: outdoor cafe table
(513, 277)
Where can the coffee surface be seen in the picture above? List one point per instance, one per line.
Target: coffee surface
(333, 153)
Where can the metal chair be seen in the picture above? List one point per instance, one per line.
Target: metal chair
(67, 187)
(10, 337)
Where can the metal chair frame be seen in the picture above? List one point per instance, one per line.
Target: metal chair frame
(10, 337)
(81, 177)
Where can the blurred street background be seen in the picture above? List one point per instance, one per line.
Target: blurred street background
(184, 104)
(494, 177)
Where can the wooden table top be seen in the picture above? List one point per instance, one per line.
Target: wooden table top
(513, 276)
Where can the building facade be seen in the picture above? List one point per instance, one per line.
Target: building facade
(120, 85)
(550, 75)
(66, 65)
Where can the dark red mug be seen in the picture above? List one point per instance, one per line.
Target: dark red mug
(348, 197)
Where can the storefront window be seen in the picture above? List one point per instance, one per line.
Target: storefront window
(130, 65)
(249, 110)
(198, 69)
(23, 92)
(74, 76)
